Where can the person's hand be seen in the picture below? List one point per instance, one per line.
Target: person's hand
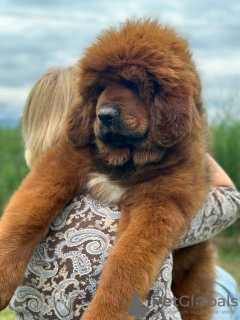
(220, 178)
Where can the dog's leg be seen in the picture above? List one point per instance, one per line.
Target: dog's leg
(50, 185)
(123, 224)
(193, 277)
(131, 266)
(156, 225)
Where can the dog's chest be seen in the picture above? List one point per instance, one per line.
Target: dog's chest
(101, 187)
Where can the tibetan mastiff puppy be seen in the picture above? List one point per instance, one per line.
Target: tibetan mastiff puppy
(137, 136)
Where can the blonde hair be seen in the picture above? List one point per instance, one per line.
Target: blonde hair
(45, 111)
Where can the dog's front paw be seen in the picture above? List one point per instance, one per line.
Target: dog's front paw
(4, 301)
(8, 284)
(5, 296)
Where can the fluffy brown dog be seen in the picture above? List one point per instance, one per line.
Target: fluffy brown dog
(138, 138)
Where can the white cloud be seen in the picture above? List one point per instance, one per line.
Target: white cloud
(14, 95)
(36, 35)
(221, 66)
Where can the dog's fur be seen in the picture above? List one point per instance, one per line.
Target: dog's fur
(150, 158)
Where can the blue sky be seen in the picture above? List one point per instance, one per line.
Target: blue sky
(39, 34)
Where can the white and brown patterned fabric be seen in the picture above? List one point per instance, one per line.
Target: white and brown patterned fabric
(63, 274)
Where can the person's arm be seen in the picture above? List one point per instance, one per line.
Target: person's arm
(221, 209)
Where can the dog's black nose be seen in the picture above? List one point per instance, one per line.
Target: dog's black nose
(107, 114)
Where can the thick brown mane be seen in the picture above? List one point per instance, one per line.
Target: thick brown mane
(146, 46)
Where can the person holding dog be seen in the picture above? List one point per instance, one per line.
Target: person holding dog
(63, 274)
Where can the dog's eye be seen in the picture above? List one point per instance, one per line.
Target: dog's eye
(100, 89)
(130, 85)
(156, 88)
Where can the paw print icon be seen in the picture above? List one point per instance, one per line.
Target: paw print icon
(200, 301)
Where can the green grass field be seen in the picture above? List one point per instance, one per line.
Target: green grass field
(225, 148)
(225, 137)
(12, 164)
(7, 314)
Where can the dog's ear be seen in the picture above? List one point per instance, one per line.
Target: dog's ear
(79, 124)
(173, 117)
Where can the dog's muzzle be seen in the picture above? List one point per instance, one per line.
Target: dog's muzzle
(112, 130)
(108, 115)
(110, 125)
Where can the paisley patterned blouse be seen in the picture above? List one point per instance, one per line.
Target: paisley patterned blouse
(64, 271)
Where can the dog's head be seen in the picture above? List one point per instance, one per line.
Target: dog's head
(138, 92)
